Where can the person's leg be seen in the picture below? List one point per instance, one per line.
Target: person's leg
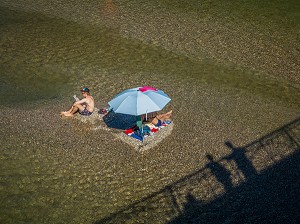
(159, 118)
(165, 116)
(68, 111)
(73, 110)
(154, 121)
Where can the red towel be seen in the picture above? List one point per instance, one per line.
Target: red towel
(128, 131)
(154, 130)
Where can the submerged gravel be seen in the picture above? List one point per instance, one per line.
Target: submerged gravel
(230, 79)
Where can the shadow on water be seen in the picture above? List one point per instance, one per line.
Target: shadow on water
(270, 197)
(268, 194)
(238, 155)
(220, 172)
(119, 121)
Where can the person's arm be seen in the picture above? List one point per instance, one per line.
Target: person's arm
(84, 100)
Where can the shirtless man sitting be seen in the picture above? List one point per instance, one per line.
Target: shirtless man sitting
(85, 106)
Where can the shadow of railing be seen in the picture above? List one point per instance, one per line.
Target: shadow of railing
(198, 196)
(273, 196)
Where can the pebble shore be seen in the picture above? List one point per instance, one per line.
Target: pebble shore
(230, 80)
(148, 143)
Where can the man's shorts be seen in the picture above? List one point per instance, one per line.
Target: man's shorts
(85, 112)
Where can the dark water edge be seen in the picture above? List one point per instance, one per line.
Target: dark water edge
(56, 71)
(47, 71)
(56, 170)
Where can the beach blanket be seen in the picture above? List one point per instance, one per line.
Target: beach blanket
(145, 131)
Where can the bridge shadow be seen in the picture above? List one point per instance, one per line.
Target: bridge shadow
(267, 190)
(271, 197)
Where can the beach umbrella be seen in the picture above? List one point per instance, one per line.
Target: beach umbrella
(146, 88)
(140, 100)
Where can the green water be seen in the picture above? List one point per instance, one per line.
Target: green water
(45, 57)
(231, 69)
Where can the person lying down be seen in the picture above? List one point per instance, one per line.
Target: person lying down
(158, 119)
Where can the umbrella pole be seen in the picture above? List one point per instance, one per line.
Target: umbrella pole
(143, 130)
(143, 127)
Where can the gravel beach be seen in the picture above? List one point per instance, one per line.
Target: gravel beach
(234, 84)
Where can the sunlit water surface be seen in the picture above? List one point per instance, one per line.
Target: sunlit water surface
(56, 171)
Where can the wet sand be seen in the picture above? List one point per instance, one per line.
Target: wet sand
(56, 170)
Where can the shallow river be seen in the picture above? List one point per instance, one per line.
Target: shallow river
(232, 71)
